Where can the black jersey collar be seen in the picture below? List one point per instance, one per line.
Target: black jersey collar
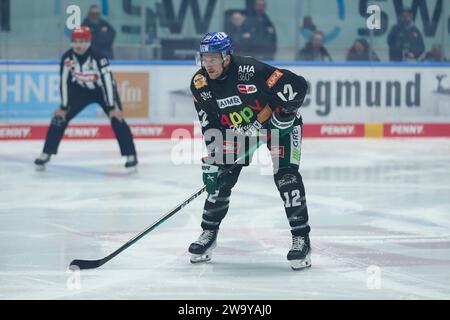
(82, 57)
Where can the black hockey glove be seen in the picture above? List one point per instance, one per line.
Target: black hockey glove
(290, 107)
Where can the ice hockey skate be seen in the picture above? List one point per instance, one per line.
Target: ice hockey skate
(201, 250)
(300, 254)
(131, 163)
(42, 161)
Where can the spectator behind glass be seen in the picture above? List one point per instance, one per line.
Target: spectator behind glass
(308, 24)
(314, 49)
(435, 55)
(234, 28)
(260, 33)
(405, 40)
(360, 51)
(103, 33)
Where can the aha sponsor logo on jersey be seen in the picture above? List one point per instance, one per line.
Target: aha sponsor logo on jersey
(199, 81)
(229, 102)
(246, 68)
(274, 77)
(246, 72)
(247, 88)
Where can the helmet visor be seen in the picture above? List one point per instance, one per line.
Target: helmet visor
(208, 59)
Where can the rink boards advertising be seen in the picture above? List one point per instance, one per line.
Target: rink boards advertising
(356, 100)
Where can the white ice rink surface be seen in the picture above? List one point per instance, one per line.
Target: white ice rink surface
(382, 204)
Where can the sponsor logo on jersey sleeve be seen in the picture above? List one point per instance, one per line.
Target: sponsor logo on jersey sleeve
(295, 145)
(274, 77)
(206, 95)
(247, 88)
(199, 81)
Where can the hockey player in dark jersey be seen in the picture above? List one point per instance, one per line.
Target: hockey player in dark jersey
(244, 96)
(86, 78)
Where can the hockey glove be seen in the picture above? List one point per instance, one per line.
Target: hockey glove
(291, 106)
(283, 122)
(210, 177)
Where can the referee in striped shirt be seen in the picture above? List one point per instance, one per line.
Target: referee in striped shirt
(86, 78)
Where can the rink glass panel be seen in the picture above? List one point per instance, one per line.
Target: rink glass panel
(149, 29)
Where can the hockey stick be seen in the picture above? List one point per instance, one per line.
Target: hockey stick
(92, 264)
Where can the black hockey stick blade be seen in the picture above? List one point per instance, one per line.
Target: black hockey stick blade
(86, 264)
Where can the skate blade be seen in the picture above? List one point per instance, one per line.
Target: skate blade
(40, 167)
(200, 258)
(301, 264)
(204, 257)
(132, 170)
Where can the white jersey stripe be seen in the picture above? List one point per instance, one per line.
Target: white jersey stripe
(107, 82)
(64, 84)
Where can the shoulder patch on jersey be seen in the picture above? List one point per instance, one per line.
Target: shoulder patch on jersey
(103, 62)
(68, 63)
(274, 77)
(199, 81)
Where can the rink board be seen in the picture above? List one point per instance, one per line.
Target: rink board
(343, 100)
(155, 131)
